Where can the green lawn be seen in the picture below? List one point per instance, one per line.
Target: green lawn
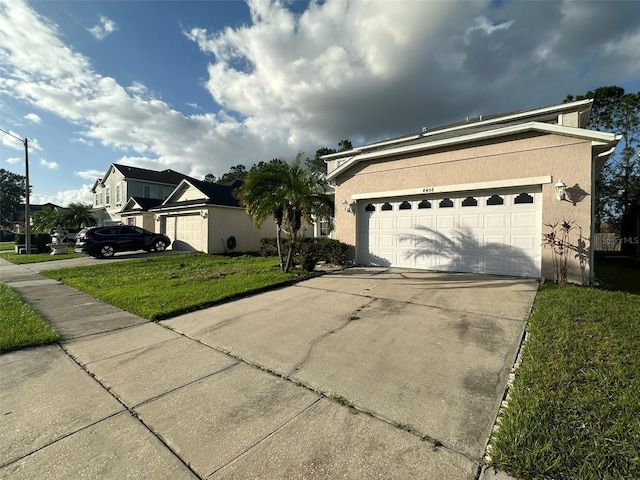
(162, 287)
(620, 272)
(7, 246)
(39, 257)
(20, 325)
(574, 408)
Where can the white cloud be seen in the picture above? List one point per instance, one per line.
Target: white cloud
(104, 28)
(14, 160)
(64, 197)
(89, 174)
(46, 164)
(33, 118)
(340, 69)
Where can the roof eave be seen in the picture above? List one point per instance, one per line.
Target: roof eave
(603, 137)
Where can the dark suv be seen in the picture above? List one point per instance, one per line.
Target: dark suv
(105, 241)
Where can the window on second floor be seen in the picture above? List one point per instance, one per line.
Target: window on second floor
(150, 191)
(107, 200)
(118, 193)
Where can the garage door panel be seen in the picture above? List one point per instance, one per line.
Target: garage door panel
(469, 242)
(386, 223)
(404, 223)
(445, 222)
(523, 220)
(496, 220)
(423, 222)
(471, 220)
(495, 263)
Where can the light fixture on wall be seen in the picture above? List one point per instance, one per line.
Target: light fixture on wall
(560, 189)
(348, 207)
(204, 213)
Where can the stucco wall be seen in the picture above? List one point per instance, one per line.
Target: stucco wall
(522, 156)
(233, 221)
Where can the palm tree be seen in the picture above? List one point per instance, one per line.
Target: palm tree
(47, 219)
(262, 194)
(289, 192)
(78, 215)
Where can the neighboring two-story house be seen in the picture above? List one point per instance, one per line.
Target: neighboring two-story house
(122, 182)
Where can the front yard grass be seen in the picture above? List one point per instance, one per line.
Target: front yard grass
(7, 246)
(39, 257)
(620, 272)
(20, 325)
(162, 287)
(574, 407)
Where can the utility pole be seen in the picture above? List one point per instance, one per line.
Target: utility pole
(27, 217)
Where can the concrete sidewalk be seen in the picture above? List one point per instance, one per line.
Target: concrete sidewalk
(355, 375)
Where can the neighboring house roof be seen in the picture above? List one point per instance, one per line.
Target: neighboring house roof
(211, 194)
(167, 177)
(543, 120)
(140, 204)
(34, 207)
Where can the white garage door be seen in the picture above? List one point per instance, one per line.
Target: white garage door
(489, 232)
(185, 232)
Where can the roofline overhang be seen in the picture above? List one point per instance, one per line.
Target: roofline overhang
(173, 208)
(596, 138)
(561, 108)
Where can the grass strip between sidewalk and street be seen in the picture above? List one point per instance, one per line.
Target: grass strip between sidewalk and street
(20, 325)
(161, 287)
(574, 407)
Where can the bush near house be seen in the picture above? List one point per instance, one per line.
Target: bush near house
(39, 240)
(309, 251)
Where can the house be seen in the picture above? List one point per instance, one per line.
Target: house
(206, 217)
(17, 225)
(136, 212)
(475, 196)
(121, 182)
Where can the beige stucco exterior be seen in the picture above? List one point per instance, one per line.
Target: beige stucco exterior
(484, 163)
(206, 227)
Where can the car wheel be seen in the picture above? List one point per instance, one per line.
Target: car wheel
(107, 251)
(159, 246)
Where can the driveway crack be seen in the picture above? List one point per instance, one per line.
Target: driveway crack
(352, 317)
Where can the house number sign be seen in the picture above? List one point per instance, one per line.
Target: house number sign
(428, 190)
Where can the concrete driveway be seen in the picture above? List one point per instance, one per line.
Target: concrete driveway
(425, 352)
(365, 373)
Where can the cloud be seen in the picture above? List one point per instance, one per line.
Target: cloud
(89, 174)
(14, 160)
(339, 69)
(33, 118)
(104, 28)
(50, 165)
(65, 197)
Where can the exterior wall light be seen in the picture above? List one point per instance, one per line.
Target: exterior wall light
(560, 189)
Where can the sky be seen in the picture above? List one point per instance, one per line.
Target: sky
(200, 86)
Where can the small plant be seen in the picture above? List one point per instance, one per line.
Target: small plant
(403, 426)
(353, 317)
(341, 400)
(558, 241)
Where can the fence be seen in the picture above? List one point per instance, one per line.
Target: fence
(606, 242)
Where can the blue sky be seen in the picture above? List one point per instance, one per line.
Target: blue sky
(201, 86)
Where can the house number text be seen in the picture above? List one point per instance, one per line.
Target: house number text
(428, 190)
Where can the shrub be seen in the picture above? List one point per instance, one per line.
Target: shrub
(309, 251)
(38, 240)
